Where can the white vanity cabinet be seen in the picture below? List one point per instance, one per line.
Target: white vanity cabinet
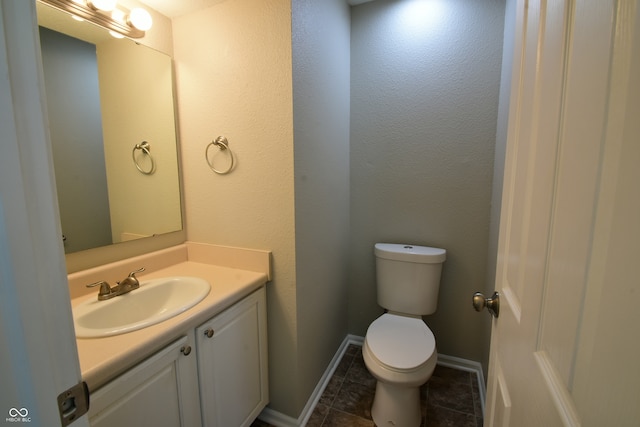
(232, 363)
(213, 376)
(161, 391)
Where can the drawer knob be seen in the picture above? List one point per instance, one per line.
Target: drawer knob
(209, 332)
(186, 350)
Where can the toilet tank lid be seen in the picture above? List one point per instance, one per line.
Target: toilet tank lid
(410, 253)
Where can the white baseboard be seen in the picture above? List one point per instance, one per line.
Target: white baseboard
(278, 419)
(466, 365)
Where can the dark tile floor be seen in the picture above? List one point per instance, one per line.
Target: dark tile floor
(449, 398)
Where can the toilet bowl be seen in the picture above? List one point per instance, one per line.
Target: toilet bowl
(400, 352)
(399, 349)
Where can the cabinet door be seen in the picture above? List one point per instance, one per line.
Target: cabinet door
(232, 364)
(162, 391)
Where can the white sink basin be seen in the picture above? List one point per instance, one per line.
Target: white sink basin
(153, 302)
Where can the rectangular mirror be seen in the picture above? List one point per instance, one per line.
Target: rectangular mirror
(113, 130)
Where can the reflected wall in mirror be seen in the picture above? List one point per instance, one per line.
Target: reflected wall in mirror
(105, 96)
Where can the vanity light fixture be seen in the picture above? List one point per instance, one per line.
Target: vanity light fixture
(107, 14)
(104, 5)
(115, 35)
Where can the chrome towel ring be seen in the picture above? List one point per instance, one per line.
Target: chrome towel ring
(146, 149)
(223, 144)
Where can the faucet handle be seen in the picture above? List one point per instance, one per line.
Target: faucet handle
(105, 289)
(133, 273)
(130, 282)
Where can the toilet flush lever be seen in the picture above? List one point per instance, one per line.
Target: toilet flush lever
(492, 304)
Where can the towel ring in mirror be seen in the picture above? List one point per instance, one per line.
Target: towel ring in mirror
(145, 147)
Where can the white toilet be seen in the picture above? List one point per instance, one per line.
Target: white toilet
(399, 349)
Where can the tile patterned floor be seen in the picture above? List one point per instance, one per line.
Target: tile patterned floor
(449, 399)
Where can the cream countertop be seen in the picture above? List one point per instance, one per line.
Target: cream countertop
(102, 359)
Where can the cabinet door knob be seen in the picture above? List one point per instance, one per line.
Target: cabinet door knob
(209, 332)
(186, 350)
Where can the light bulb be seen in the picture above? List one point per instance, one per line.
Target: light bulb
(140, 19)
(104, 5)
(119, 16)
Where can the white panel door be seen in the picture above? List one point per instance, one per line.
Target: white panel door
(38, 356)
(565, 347)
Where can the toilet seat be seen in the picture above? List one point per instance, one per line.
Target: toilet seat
(400, 343)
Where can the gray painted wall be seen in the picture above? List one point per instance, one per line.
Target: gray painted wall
(393, 140)
(320, 56)
(424, 103)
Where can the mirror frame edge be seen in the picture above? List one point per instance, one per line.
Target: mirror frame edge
(90, 258)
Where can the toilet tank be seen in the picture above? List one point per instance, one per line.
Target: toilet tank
(408, 277)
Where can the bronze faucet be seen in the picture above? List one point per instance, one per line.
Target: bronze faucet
(125, 286)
